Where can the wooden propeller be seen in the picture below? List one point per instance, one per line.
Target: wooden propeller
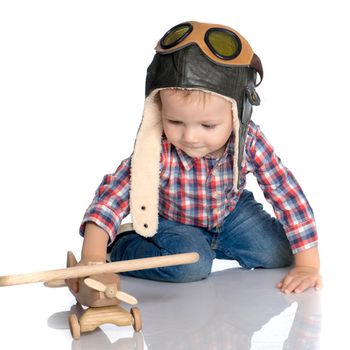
(113, 267)
(110, 291)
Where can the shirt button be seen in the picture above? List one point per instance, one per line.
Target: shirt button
(215, 211)
(215, 194)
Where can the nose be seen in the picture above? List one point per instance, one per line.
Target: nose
(189, 136)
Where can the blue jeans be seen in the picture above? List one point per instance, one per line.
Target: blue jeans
(249, 235)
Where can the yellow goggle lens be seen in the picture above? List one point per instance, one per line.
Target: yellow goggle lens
(223, 43)
(176, 35)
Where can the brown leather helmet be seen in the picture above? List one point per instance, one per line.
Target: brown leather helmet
(200, 56)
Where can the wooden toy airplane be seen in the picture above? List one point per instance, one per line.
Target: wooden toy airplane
(99, 289)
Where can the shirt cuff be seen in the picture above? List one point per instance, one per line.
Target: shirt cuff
(302, 236)
(104, 217)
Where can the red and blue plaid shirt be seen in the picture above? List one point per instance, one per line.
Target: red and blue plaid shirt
(199, 191)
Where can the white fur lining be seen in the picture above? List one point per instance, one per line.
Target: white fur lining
(144, 181)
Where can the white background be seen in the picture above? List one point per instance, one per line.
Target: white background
(71, 97)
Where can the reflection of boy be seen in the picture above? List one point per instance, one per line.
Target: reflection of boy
(195, 145)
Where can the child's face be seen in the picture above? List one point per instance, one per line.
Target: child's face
(198, 126)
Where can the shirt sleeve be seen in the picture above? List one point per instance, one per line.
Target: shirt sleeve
(281, 190)
(111, 202)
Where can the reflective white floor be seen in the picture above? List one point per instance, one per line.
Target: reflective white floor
(232, 309)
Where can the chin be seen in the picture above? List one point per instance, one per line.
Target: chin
(194, 154)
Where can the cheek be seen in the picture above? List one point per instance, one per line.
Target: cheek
(165, 127)
(170, 132)
(221, 136)
(228, 129)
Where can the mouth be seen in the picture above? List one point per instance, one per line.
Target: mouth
(191, 146)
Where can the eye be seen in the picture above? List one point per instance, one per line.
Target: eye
(174, 122)
(208, 126)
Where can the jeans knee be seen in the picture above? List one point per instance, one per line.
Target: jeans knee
(133, 246)
(271, 261)
(189, 272)
(283, 260)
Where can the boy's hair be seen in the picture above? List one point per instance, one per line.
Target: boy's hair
(189, 95)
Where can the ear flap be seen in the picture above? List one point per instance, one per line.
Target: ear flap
(145, 163)
(251, 98)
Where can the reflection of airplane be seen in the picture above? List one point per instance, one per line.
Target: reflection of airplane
(100, 291)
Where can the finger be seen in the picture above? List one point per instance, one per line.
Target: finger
(305, 284)
(290, 287)
(286, 281)
(68, 284)
(73, 284)
(75, 287)
(319, 284)
(280, 283)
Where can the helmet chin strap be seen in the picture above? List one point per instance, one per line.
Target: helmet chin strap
(251, 98)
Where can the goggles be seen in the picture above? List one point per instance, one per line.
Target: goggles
(221, 44)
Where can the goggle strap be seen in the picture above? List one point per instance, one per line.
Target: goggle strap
(256, 64)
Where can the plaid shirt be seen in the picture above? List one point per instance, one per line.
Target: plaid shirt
(198, 191)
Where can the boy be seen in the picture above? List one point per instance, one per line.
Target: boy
(184, 183)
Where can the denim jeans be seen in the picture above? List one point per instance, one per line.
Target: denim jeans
(248, 235)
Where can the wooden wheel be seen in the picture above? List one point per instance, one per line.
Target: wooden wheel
(136, 314)
(74, 326)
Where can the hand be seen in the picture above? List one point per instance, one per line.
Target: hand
(73, 283)
(299, 279)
